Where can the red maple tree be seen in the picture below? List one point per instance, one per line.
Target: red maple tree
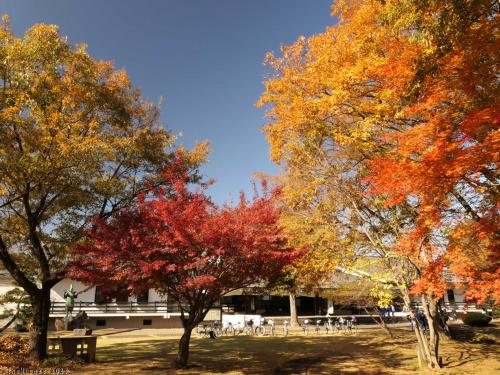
(181, 244)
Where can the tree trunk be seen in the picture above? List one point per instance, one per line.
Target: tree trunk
(195, 317)
(8, 324)
(316, 304)
(380, 322)
(294, 321)
(423, 345)
(431, 313)
(39, 325)
(183, 353)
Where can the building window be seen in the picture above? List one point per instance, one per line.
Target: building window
(147, 322)
(100, 323)
(451, 295)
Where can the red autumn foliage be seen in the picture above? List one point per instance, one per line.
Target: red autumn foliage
(181, 244)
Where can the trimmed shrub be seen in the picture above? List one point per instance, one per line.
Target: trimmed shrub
(476, 319)
(21, 328)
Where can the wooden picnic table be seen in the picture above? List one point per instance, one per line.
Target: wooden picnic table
(74, 346)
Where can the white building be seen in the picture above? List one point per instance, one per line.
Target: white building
(153, 310)
(118, 310)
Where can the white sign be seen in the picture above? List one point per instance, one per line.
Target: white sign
(240, 320)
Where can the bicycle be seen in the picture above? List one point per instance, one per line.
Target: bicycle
(317, 327)
(342, 324)
(337, 327)
(260, 330)
(348, 326)
(216, 327)
(271, 326)
(238, 329)
(305, 327)
(354, 324)
(209, 330)
(249, 328)
(328, 326)
(229, 330)
(201, 330)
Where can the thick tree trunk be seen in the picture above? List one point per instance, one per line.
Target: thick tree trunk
(294, 321)
(39, 325)
(316, 304)
(183, 353)
(195, 317)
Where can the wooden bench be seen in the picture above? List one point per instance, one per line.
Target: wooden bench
(73, 346)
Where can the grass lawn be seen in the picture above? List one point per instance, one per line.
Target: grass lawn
(367, 352)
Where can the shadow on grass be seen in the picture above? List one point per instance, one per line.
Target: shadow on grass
(364, 353)
(471, 354)
(252, 355)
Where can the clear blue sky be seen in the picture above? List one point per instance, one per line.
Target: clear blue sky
(204, 57)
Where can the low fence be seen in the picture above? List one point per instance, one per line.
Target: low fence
(58, 308)
(92, 308)
(460, 306)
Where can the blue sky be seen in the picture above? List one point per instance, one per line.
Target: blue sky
(204, 57)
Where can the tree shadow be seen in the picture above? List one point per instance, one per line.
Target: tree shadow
(253, 355)
(364, 353)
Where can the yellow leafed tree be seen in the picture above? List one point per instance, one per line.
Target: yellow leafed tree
(76, 141)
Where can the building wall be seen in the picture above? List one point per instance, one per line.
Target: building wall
(459, 294)
(57, 292)
(121, 322)
(154, 296)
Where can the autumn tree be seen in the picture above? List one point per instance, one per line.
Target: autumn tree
(365, 122)
(366, 292)
(309, 272)
(446, 162)
(76, 141)
(184, 246)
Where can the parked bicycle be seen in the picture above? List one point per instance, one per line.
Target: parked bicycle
(317, 327)
(272, 327)
(328, 326)
(249, 327)
(337, 326)
(212, 330)
(305, 327)
(260, 330)
(354, 324)
(348, 325)
(238, 328)
(228, 329)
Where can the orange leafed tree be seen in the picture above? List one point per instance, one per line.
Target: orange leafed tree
(396, 107)
(447, 162)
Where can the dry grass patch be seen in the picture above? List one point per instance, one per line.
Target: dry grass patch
(367, 352)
